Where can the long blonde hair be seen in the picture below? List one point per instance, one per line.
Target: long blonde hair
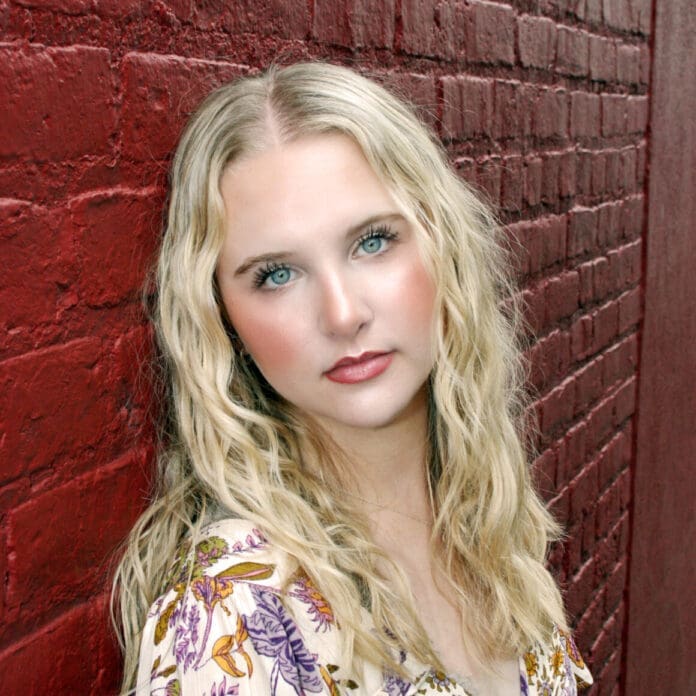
(235, 446)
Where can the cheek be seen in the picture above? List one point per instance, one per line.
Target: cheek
(274, 343)
(412, 297)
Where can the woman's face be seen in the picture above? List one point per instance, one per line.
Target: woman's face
(318, 267)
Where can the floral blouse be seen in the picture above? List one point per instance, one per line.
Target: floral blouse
(229, 631)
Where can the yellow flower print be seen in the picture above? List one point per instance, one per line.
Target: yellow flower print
(531, 663)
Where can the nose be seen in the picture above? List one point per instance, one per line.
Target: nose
(343, 307)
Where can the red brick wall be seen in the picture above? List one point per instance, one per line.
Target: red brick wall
(542, 103)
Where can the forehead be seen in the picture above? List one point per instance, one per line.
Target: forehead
(315, 183)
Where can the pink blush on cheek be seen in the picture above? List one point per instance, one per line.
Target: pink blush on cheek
(273, 350)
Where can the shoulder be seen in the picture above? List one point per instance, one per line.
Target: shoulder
(556, 664)
(234, 619)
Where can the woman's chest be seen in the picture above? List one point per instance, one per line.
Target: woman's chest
(442, 620)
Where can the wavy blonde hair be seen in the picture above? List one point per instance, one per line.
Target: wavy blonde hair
(233, 445)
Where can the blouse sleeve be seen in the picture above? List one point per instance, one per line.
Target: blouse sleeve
(577, 666)
(557, 665)
(224, 633)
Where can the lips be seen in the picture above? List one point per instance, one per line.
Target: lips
(350, 370)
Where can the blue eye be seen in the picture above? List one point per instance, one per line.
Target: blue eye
(375, 240)
(277, 275)
(280, 276)
(371, 244)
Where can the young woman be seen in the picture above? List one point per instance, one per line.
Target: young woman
(344, 502)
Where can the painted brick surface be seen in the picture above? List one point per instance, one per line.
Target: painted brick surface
(542, 106)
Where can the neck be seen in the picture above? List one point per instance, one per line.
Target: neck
(388, 464)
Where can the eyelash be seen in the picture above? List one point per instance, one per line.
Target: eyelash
(381, 232)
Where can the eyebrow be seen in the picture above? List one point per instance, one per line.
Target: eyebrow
(282, 255)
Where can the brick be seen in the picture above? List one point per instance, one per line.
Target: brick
(617, 14)
(613, 174)
(568, 174)
(612, 361)
(581, 337)
(352, 23)
(467, 107)
(598, 176)
(609, 466)
(488, 178)
(551, 114)
(604, 325)
(88, 666)
(582, 231)
(466, 168)
(641, 164)
(61, 542)
(628, 64)
(543, 471)
(632, 217)
(284, 20)
(643, 15)
(637, 114)
(602, 52)
(613, 114)
(610, 674)
(645, 66)
(625, 402)
(628, 357)
(572, 52)
(580, 591)
(608, 510)
(549, 359)
(583, 171)
(418, 90)
(609, 224)
(491, 33)
(557, 407)
(533, 298)
(430, 28)
(586, 282)
(56, 401)
(629, 310)
(589, 624)
(629, 179)
(588, 386)
(558, 506)
(551, 165)
(602, 281)
(562, 296)
(593, 11)
(609, 639)
(68, 7)
(532, 180)
(36, 263)
(507, 109)
(585, 115)
(616, 585)
(587, 537)
(41, 91)
(553, 231)
(575, 447)
(116, 235)
(511, 183)
(537, 41)
(159, 93)
(600, 424)
(583, 491)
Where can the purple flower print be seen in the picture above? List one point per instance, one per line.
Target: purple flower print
(274, 634)
(394, 685)
(254, 541)
(186, 636)
(524, 687)
(224, 689)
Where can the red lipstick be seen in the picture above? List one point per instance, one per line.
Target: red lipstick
(360, 368)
